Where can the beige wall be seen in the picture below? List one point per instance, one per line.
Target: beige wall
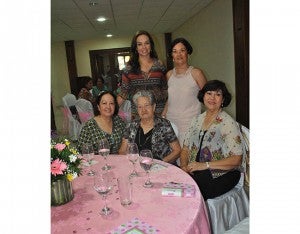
(211, 34)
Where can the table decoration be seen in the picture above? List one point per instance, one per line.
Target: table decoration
(135, 226)
(173, 189)
(65, 166)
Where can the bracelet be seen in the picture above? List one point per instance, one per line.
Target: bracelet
(163, 116)
(207, 164)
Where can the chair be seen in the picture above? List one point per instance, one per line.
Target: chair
(175, 128)
(84, 109)
(231, 208)
(70, 121)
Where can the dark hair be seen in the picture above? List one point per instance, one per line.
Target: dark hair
(182, 40)
(134, 58)
(83, 80)
(97, 112)
(215, 85)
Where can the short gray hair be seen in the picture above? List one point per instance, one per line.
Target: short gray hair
(144, 93)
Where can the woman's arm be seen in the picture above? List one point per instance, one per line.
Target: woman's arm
(199, 77)
(123, 146)
(228, 163)
(175, 146)
(184, 158)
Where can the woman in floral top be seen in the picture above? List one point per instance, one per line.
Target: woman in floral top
(212, 149)
(150, 131)
(106, 124)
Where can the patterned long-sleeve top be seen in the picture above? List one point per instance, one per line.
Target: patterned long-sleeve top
(162, 135)
(155, 81)
(92, 133)
(220, 141)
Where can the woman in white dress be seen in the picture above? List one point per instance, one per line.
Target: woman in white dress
(184, 83)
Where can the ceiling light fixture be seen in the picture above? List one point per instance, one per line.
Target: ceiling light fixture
(93, 3)
(109, 35)
(101, 19)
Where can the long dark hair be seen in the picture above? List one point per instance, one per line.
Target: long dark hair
(134, 58)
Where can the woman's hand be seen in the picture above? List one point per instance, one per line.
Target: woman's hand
(196, 166)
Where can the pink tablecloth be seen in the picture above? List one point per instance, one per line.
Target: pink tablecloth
(167, 214)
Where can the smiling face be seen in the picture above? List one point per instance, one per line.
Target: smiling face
(143, 45)
(179, 54)
(145, 109)
(106, 106)
(213, 100)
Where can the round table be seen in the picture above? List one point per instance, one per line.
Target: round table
(166, 214)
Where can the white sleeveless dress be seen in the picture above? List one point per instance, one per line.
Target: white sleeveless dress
(183, 103)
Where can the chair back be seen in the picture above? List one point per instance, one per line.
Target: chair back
(245, 134)
(84, 109)
(70, 122)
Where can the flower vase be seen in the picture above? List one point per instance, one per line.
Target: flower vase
(61, 191)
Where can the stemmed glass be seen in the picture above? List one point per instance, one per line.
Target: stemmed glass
(146, 161)
(104, 149)
(133, 155)
(88, 155)
(103, 184)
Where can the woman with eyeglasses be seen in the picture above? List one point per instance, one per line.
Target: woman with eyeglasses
(150, 131)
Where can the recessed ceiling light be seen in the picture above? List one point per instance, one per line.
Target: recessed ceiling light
(92, 3)
(101, 19)
(109, 35)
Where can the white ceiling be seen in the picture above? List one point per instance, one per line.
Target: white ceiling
(76, 19)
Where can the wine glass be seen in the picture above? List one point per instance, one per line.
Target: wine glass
(104, 149)
(133, 155)
(88, 155)
(146, 161)
(103, 183)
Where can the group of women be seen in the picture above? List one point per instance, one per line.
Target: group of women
(209, 144)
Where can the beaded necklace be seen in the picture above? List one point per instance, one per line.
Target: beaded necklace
(142, 143)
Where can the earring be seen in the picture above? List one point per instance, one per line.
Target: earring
(222, 104)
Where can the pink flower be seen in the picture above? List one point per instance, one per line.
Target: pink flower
(57, 167)
(60, 146)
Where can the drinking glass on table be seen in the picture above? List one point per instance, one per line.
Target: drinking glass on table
(103, 184)
(88, 155)
(133, 156)
(146, 161)
(104, 149)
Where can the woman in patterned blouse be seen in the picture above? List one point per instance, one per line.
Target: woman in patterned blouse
(150, 131)
(144, 72)
(212, 150)
(106, 124)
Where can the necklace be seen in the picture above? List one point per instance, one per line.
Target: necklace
(142, 143)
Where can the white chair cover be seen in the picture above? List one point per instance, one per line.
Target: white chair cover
(84, 109)
(175, 128)
(73, 124)
(241, 228)
(228, 209)
(232, 207)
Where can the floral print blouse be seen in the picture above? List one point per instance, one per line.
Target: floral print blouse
(220, 141)
(162, 135)
(92, 133)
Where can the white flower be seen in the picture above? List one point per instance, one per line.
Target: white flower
(72, 158)
(74, 175)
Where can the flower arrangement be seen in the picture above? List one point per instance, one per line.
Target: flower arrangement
(65, 161)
